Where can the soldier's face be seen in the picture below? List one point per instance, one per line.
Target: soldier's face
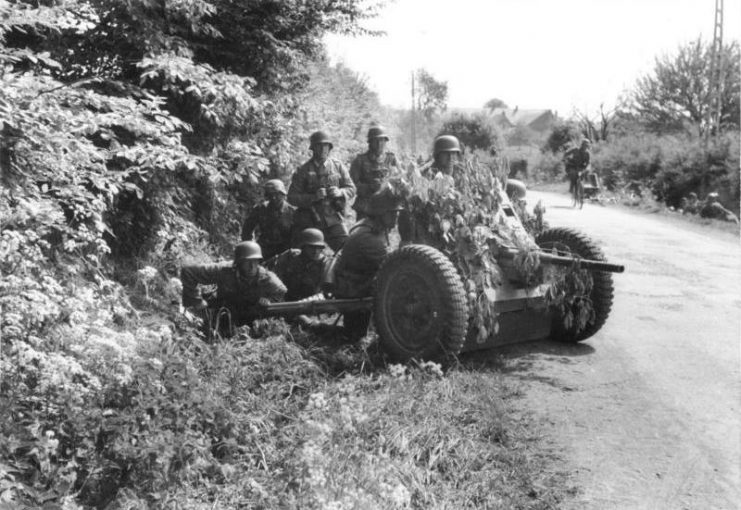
(377, 145)
(312, 252)
(320, 151)
(275, 199)
(248, 267)
(445, 160)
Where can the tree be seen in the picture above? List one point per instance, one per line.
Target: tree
(493, 104)
(431, 94)
(474, 131)
(676, 93)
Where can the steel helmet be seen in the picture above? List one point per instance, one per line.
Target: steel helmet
(311, 237)
(384, 200)
(446, 143)
(516, 189)
(586, 141)
(247, 250)
(319, 137)
(274, 186)
(377, 132)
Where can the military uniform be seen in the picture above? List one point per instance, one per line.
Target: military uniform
(326, 215)
(237, 294)
(275, 227)
(368, 172)
(576, 160)
(361, 256)
(301, 275)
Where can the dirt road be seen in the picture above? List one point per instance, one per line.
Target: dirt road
(648, 412)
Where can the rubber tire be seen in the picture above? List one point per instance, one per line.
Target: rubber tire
(419, 271)
(602, 290)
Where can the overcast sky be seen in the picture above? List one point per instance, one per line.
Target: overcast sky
(557, 54)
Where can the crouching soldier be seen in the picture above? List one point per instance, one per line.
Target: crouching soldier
(243, 288)
(301, 269)
(362, 255)
(272, 220)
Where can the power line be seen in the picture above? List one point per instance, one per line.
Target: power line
(715, 79)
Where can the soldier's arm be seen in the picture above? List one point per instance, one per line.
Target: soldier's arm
(250, 224)
(346, 185)
(194, 275)
(275, 289)
(297, 194)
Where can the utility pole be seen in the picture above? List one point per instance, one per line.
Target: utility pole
(414, 123)
(715, 79)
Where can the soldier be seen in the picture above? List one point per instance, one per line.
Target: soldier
(446, 151)
(362, 255)
(301, 269)
(243, 287)
(320, 189)
(371, 169)
(273, 219)
(577, 160)
(712, 208)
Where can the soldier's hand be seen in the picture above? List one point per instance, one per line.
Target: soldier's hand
(263, 302)
(321, 194)
(375, 184)
(334, 192)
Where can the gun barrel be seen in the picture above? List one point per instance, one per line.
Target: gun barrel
(592, 265)
(320, 306)
(566, 260)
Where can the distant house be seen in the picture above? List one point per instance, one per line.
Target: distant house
(537, 120)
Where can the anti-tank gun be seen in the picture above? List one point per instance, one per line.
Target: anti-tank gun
(481, 281)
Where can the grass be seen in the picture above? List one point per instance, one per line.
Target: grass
(321, 425)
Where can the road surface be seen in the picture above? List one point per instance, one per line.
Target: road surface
(647, 413)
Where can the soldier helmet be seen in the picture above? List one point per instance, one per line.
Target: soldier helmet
(586, 141)
(311, 237)
(377, 132)
(247, 250)
(516, 189)
(274, 186)
(446, 143)
(318, 137)
(714, 194)
(384, 200)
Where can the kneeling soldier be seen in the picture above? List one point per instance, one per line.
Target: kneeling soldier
(301, 270)
(362, 255)
(243, 288)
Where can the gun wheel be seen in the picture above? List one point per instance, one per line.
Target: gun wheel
(420, 305)
(570, 242)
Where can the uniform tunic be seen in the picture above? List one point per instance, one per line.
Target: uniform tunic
(239, 295)
(301, 275)
(368, 172)
(274, 226)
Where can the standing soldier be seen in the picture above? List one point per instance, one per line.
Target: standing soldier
(363, 254)
(273, 219)
(243, 288)
(576, 160)
(320, 189)
(301, 270)
(446, 152)
(371, 169)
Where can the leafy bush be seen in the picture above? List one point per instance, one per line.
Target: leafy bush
(474, 131)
